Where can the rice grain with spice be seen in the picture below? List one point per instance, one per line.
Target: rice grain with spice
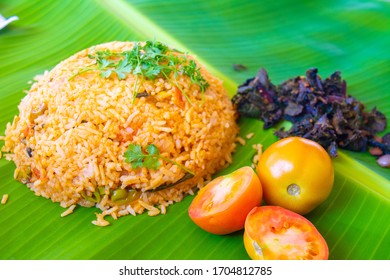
(70, 141)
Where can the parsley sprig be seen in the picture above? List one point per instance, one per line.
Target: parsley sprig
(148, 60)
(149, 159)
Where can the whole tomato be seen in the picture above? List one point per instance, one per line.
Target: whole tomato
(222, 205)
(295, 173)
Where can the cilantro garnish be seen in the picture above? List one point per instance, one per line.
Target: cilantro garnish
(148, 159)
(147, 60)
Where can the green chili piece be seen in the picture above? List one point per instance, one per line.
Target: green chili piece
(101, 190)
(24, 174)
(119, 194)
(88, 198)
(133, 195)
(97, 196)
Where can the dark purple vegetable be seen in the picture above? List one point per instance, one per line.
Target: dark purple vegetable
(239, 67)
(29, 151)
(318, 109)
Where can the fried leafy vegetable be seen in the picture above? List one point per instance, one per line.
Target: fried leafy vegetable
(318, 109)
(239, 67)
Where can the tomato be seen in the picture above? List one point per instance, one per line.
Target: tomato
(275, 233)
(223, 204)
(296, 173)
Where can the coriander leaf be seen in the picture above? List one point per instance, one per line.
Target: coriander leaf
(121, 64)
(152, 72)
(127, 68)
(103, 63)
(192, 71)
(137, 163)
(152, 149)
(138, 158)
(121, 74)
(151, 162)
(133, 153)
(105, 74)
(150, 159)
(149, 60)
(137, 70)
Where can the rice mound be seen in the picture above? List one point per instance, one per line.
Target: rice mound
(69, 139)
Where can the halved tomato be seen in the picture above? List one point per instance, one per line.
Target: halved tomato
(223, 204)
(275, 233)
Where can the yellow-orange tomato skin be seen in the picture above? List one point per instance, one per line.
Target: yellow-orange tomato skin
(222, 205)
(296, 173)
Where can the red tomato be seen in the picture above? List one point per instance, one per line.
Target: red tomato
(223, 204)
(275, 233)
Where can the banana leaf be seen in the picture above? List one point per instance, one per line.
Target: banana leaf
(285, 37)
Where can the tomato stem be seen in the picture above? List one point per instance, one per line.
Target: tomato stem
(294, 190)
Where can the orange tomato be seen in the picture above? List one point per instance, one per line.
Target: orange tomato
(296, 173)
(223, 204)
(275, 233)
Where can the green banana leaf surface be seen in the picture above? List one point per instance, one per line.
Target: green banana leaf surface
(284, 37)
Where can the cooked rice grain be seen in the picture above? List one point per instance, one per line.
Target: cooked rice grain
(249, 135)
(100, 221)
(77, 131)
(241, 141)
(68, 211)
(4, 199)
(256, 158)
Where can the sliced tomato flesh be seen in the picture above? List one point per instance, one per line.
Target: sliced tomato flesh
(272, 232)
(223, 204)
